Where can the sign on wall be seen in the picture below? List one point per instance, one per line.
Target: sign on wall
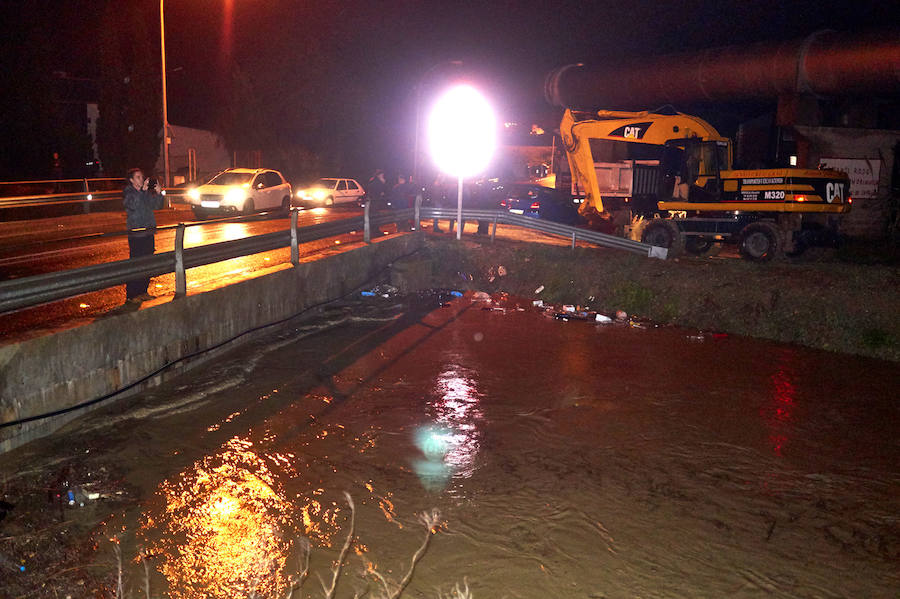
(863, 174)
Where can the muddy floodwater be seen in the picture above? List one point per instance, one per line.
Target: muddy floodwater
(564, 458)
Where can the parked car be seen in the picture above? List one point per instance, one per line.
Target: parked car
(243, 190)
(536, 201)
(330, 191)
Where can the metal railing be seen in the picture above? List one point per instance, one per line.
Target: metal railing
(57, 191)
(15, 194)
(25, 292)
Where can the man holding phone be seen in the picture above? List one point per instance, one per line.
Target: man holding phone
(140, 201)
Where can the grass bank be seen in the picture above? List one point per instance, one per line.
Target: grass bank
(830, 305)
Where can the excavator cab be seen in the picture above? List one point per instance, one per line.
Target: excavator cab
(692, 169)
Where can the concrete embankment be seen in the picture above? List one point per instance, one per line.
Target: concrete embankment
(832, 305)
(56, 372)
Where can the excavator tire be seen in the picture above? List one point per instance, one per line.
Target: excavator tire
(761, 241)
(662, 232)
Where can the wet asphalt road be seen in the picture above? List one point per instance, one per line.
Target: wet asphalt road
(48, 245)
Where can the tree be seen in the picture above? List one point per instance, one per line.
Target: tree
(129, 128)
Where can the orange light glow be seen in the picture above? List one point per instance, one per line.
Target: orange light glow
(223, 528)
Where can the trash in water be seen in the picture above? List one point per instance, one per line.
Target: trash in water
(539, 289)
(603, 318)
(456, 293)
(8, 563)
(567, 316)
(568, 308)
(481, 296)
(698, 338)
(538, 303)
(380, 290)
(621, 315)
(501, 271)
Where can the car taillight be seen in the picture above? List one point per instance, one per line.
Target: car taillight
(503, 203)
(536, 206)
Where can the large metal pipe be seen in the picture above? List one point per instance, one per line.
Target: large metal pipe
(825, 63)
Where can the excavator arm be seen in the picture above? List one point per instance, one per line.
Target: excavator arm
(595, 139)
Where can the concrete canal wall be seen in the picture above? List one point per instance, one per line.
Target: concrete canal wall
(54, 372)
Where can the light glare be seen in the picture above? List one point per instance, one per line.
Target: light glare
(461, 132)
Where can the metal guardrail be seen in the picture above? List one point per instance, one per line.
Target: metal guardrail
(26, 292)
(58, 191)
(545, 226)
(63, 191)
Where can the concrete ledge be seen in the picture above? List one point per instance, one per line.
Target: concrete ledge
(57, 371)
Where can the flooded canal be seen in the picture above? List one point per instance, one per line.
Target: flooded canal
(565, 459)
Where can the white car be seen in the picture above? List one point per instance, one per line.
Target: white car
(328, 192)
(243, 190)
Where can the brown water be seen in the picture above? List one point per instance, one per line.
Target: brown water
(566, 459)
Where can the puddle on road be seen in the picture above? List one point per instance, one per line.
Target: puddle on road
(565, 458)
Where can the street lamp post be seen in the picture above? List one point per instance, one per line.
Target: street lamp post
(165, 110)
(418, 112)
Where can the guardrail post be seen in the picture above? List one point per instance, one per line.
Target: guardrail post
(494, 229)
(573, 240)
(367, 227)
(87, 193)
(180, 277)
(417, 218)
(295, 235)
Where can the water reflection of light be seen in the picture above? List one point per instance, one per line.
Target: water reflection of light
(223, 528)
(450, 445)
(778, 412)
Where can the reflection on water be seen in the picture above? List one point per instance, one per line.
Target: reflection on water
(450, 444)
(225, 528)
(778, 411)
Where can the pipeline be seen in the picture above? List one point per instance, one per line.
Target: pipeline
(826, 63)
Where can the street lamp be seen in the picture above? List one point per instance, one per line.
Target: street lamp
(462, 136)
(418, 105)
(165, 110)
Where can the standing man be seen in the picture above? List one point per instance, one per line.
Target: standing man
(140, 202)
(377, 189)
(56, 172)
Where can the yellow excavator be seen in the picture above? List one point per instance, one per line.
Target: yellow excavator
(673, 174)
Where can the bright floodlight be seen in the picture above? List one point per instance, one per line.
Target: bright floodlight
(461, 132)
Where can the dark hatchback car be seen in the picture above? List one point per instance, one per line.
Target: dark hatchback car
(536, 201)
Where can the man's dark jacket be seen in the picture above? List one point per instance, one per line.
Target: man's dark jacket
(139, 205)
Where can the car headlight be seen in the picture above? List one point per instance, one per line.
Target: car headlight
(235, 195)
(194, 193)
(319, 194)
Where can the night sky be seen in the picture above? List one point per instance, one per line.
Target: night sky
(362, 60)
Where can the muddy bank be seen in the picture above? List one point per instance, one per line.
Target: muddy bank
(835, 306)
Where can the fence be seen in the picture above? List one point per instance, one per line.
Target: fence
(34, 290)
(58, 191)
